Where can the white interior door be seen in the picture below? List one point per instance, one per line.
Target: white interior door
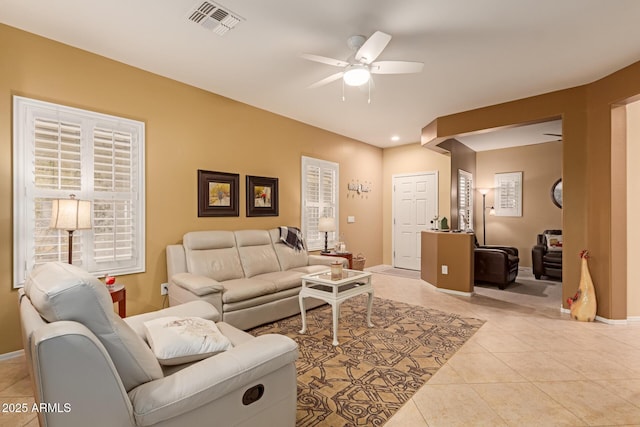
(415, 203)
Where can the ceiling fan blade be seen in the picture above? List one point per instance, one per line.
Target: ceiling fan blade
(553, 134)
(324, 60)
(396, 67)
(326, 80)
(373, 47)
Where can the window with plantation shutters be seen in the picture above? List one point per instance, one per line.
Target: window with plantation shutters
(59, 151)
(465, 200)
(508, 194)
(319, 199)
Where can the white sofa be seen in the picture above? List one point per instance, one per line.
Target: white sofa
(250, 276)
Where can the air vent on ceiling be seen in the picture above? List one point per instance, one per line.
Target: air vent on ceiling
(214, 17)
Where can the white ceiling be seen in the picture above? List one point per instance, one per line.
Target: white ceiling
(476, 52)
(537, 133)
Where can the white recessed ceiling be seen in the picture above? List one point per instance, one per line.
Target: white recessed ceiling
(476, 52)
(530, 134)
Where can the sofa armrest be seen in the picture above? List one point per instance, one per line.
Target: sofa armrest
(190, 309)
(537, 255)
(492, 256)
(509, 249)
(198, 285)
(205, 381)
(327, 260)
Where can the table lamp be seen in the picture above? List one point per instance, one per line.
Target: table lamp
(326, 224)
(71, 215)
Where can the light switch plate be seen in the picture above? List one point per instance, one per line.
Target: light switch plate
(445, 269)
(351, 219)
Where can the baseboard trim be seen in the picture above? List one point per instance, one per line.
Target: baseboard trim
(12, 355)
(452, 292)
(608, 321)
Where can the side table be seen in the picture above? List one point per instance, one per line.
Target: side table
(347, 255)
(119, 295)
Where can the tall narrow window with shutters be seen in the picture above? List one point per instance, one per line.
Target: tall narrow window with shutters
(465, 200)
(59, 151)
(319, 199)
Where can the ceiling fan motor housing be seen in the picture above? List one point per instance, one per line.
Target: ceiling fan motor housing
(356, 42)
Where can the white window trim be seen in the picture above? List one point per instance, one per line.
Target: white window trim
(508, 194)
(313, 244)
(23, 189)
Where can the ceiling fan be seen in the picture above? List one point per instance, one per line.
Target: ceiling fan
(357, 69)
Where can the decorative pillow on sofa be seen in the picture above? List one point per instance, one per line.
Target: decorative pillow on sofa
(554, 242)
(177, 340)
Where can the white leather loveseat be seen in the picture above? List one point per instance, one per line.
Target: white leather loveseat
(250, 276)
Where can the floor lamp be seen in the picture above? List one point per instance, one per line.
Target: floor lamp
(484, 192)
(71, 215)
(326, 224)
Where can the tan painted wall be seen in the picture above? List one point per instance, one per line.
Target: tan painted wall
(633, 207)
(407, 159)
(594, 173)
(541, 165)
(187, 129)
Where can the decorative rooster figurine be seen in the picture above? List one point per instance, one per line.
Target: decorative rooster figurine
(583, 304)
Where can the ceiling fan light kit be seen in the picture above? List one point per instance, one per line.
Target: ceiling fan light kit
(356, 75)
(358, 69)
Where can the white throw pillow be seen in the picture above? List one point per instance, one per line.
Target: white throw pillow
(554, 242)
(177, 340)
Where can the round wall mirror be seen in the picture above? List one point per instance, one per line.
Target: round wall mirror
(556, 193)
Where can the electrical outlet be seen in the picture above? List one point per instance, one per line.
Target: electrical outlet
(445, 269)
(164, 289)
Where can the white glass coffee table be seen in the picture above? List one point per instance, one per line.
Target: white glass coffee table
(335, 292)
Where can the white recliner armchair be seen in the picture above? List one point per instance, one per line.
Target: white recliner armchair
(92, 368)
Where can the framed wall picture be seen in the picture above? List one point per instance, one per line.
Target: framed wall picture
(218, 193)
(262, 196)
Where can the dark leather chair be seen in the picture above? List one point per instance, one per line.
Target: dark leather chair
(495, 264)
(547, 262)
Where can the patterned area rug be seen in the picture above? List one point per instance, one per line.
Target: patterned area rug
(374, 371)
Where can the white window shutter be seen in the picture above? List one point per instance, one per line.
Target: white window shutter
(508, 194)
(59, 151)
(465, 199)
(319, 198)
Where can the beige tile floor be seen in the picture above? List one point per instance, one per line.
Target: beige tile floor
(529, 365)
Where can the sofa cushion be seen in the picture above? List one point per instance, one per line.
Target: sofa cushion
(242, 289)
(212, 254)
(310, 269)
(283, 279)
(65, 292)
(287, 257)
(256, 252)
(176, 340)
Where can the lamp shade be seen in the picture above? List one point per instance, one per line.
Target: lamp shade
(70, 214)
(326, 224)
